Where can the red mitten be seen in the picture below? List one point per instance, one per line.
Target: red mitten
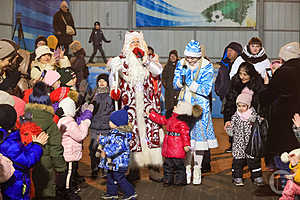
(138, 52)
(115, 95)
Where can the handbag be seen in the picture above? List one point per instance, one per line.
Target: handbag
(6, 168)
(258, 138)
(69, 29)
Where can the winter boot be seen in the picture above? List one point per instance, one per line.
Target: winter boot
(238, 182)
(109, 196)
(134, 175)
(259, 181)
(71, 195)
(197, 175)
(154, 174)
(60, 194)
(188, 171)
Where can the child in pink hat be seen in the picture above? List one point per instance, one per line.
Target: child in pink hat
(241, 125)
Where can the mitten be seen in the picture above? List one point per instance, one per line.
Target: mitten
(115, 95)
(55, 106)
(84, 107)
(87, 114)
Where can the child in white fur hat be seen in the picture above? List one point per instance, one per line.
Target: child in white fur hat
(241, 125)
(73, 133)
(292, 186)
(177, 141)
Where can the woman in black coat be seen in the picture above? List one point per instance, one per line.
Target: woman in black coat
(246, 76)
(60, 19)
(283, 93)
(171, 94)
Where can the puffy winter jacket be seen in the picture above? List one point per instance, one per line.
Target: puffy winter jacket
(52, 159)
(103, 107)
(177, 136)
(73, 135)
(23, 158)
(117, 148)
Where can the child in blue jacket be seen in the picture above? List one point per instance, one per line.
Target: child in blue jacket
(115, 155)
(23, 157)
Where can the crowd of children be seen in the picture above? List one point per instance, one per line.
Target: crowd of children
(41, 134)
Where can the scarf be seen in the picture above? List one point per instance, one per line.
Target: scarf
(253, 59)
(245, 115)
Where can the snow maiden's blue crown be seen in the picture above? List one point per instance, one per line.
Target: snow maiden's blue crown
(193, 49)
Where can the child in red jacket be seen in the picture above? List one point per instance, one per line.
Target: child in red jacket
(177, 140)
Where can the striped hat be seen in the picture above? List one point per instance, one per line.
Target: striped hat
(193, 49)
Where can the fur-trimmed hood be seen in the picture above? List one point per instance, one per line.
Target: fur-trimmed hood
(126, 128)
(41, 113)
(189, 120)
(43, 107)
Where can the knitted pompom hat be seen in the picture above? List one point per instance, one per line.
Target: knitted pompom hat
(120, 117)
(245, 96)
(193, 49)
(285, 156)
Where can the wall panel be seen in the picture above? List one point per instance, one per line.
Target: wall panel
(5, 31)
(6, 11)
(110, 14)
(282, 15)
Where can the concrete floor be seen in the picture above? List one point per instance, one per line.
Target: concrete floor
(216, 185)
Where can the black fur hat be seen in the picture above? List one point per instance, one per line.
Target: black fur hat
(191, 120)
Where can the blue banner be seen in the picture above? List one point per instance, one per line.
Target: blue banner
(222, 13)
(36, 18)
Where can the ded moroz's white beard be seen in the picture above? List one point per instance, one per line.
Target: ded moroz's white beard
(137, 73)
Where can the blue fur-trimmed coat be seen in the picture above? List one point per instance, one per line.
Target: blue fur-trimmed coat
(202, 135)
(26, 156)
(116, 144)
